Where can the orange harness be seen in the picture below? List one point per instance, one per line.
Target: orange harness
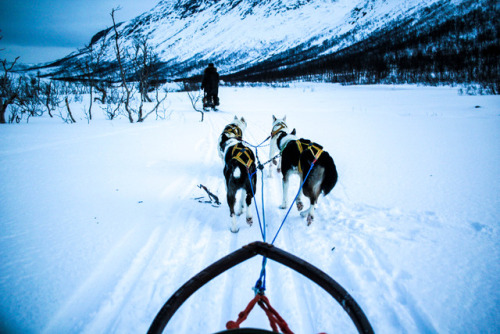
(233, 129)
(281, 126)
(306, 145)
(239, 151)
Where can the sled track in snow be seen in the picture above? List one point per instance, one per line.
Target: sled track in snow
(196, 232)
(153, 272)
(200, 234)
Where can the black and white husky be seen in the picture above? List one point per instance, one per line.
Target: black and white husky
(297, 156)
(239, 163)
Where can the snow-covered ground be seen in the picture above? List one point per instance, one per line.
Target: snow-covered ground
(99, 225)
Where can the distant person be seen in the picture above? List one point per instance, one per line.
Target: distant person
(210, 84)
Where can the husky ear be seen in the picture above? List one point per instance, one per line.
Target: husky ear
(293, 132)
(284, 119)
(274, 118)
(236, 118)
(243, 120)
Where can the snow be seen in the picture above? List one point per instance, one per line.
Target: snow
(243, 33)
(100, 225)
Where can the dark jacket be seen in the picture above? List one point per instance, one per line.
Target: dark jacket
(210, 81)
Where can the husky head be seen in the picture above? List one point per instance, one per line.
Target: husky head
(232, 132)
(278, 126)
(279, 132)
(241, 123)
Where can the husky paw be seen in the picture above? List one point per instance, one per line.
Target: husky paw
(249, 221)
(283, 206)
(300, 205)
(235, 231)
(310, 219)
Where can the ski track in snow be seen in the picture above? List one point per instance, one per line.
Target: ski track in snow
(192, 229)
(165, 248)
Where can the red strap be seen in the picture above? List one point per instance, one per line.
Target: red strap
(243, 314)
(274, 318)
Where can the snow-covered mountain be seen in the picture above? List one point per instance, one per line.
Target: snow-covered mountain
(239, 35)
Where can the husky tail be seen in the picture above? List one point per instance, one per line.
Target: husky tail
(331, 176)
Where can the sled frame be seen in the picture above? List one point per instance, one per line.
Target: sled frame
(328, 284)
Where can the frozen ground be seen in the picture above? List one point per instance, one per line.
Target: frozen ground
(99, 225)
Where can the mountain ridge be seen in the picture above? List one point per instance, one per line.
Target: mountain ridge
(240, 35)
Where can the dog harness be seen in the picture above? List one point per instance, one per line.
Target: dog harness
(233, 129)
(305, 146)
(280, 126)
(239, 152)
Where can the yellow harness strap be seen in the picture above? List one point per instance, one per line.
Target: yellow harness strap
(242, 151)
(234, 129)
(281, 127)
(315, 149)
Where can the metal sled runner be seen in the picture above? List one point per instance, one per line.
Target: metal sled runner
(246, 252)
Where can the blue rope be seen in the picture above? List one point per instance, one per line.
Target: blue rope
(263, 207)
(262, 231)
(290, 208)
(260, 285)
(262, 224)
(260, 145)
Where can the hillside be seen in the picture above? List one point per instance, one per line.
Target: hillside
(341, 41)
(445, 45)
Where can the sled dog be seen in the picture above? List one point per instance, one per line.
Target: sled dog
(239, 163)
(297, 156)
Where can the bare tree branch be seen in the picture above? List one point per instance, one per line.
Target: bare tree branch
(194, 96)
(125, 87)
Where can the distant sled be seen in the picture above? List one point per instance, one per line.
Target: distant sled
(210, 103)
(269, 251)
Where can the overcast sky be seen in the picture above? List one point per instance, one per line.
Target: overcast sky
(45, 30)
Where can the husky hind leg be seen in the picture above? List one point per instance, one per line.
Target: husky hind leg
(298, 202)
(309, 213)
(231, 201)
(241, 203)
(312, 190)
(285, 183)
(248, 203)
(234, 224)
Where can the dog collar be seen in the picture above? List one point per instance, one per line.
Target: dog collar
(281, 135)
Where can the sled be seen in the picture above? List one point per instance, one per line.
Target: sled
(328, 284)
(210, 103)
